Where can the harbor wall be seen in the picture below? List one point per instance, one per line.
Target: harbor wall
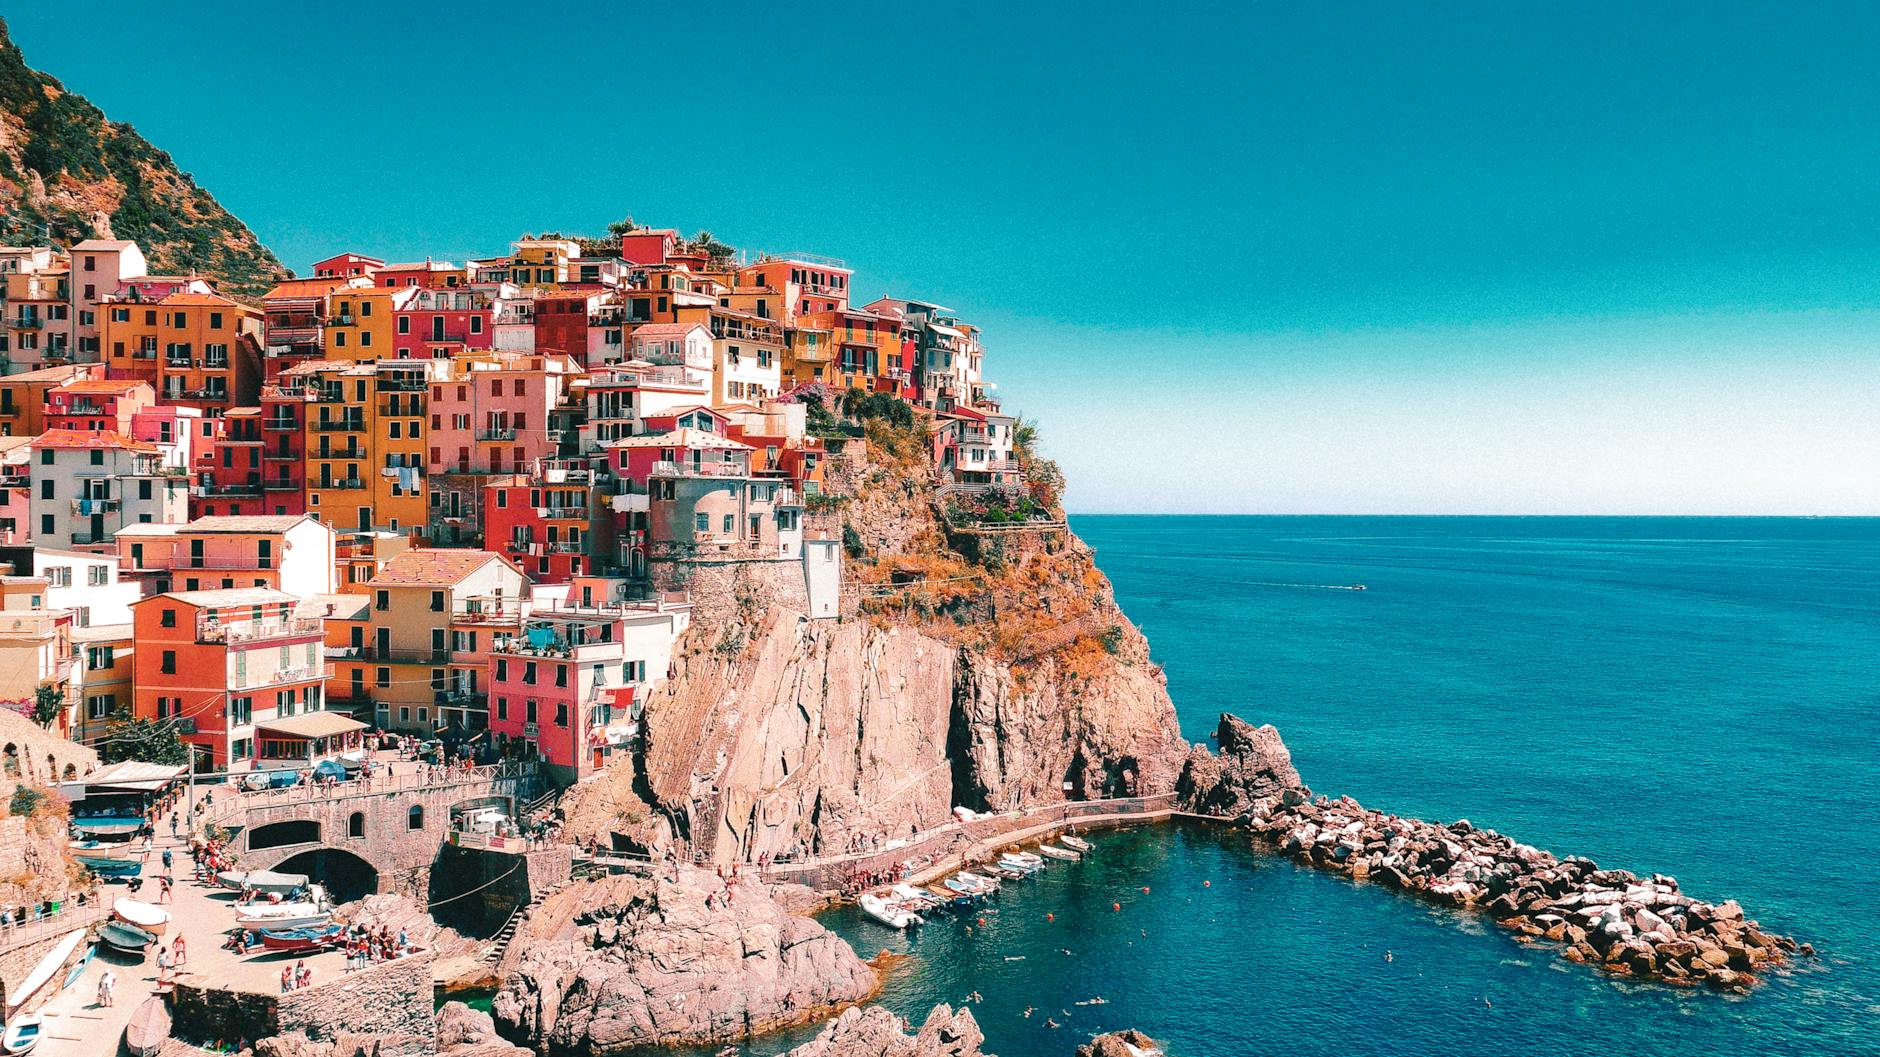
(391, 999)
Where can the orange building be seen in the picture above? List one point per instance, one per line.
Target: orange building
(198, 350)
(23, 396)
(365, 442)
(227, 665)
(864, 349)
(360, 321)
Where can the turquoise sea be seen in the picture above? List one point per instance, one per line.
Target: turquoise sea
(1694, 696)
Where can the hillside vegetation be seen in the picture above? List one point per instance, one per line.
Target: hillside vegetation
(68, 173)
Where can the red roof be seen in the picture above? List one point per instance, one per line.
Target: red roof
(435, 567)
(72, 438)
(103, 385)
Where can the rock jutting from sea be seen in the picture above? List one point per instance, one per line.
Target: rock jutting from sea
(1627, 925)
(625, 962)
(875, 1032)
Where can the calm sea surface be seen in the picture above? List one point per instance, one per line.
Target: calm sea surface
(1694, 696)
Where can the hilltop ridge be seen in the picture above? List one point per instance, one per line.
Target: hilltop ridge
(70, 173)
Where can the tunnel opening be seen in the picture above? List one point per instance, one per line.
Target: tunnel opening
(281, 834)
(345, 876)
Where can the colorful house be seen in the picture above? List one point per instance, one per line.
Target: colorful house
(97, 405)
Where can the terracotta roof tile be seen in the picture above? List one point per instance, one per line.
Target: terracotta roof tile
(434, 566)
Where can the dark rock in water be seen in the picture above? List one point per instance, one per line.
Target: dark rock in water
(1252, 774)
(875, 1032)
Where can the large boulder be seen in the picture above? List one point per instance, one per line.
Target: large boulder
(1129, 1043)
(875, 1032)
(1252, 771)
(674, 960)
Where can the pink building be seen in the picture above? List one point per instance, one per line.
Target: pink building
(443, 324)
(98, 406)
(492, 414)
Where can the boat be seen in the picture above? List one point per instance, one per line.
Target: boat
(301, 939)
(111, 869)
(1019, 866)
(948, 895)
(915, 898)
(1051, 851)
(262, 881)
(99, 849)
(148, 1029)
(123, 936)
(53, 964)
(1357, 587)
(152, 919)
(985, 884)
(281, 916)
(22, 1034)
(1024, 858)
(887, 913)
(1075, 843)
(78, 967)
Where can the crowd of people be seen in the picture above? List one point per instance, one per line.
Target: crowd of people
(367, 946)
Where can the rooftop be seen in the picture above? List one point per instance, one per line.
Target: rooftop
(682, 438)
(231, 596)
(72, 438)
(311, 725)
(246, 523)
(434, 567)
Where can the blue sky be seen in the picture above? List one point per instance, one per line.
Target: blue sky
(1256, 257)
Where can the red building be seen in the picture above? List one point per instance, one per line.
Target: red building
(442, 323)
(561, 321)
(283, 446)
(229, 474)
(98, 406)
(542, 521)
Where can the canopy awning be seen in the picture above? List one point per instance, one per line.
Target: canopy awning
(311, 725)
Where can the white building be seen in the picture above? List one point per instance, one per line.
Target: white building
(86, 584)
(86, 486)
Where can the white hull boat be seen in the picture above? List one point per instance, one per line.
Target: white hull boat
(887, 913)
(50, 966)
(152, 919)
(281, 915)
(1077, 844)
(22, 1034)
(1060, 854)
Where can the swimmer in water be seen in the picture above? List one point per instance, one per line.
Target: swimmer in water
(1028, 1010)
(1389, 957)
(1049, 1023)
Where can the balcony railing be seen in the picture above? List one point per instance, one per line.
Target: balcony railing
(97, 506)
(392, 656)
(663, 468)
(228, 489)
(567, 548)
(296, 674)
(280, 425)
(352, 451)
(344, 425)
(499, 433)
(349, 484)
(27, 323)
(236, 632)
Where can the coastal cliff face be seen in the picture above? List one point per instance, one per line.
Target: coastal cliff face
(987, 672)
(671, 961)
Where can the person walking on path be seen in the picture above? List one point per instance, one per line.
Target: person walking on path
(107, 988)
(181, 952)
(287, 978)
(147, 846)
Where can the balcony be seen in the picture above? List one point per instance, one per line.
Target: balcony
(326, 394)
(297, 674)
(663, 468)
(499, 433)
(340, 320)
(392, 656)
(282, 486)
(344, 425)
(253, 488)
(404, 385)
(280, 425)
(476, 699)
(28, 323)
(565, 547)
(243, 632)
(83, 408)
(178, 363)
(352, 451)
(350, 484)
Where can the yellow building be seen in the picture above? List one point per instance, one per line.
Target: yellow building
(365, 442)
(536, 263)
(198, 350)
(361, 321)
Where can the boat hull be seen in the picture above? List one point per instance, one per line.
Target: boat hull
(300, 939)
(152, 919)
(45, 971)
(125, 937)
(148, 1029)
(21, 1035)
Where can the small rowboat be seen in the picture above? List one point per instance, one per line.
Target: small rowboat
(262, 881)
(1050, 851)
(111, 869)
(22, 1034)
(281, 915)
(914, 898)
(984, 884)
(99, 849)
(123, 936)
(149, 1028)
(44, 971)
(152, 919)
(1023, 858)
(1077, 844)
(301, 939)
(887, 913)
(1020, 867)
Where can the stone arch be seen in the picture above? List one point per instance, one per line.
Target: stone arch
(285, 832)
(344, 875)
(71, 773)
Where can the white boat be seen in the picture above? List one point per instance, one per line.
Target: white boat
(1024, 857)
(1020, 866)
(1051, 851)
(43, 973)
(22, 1034)
(983, 884)
(1077, 844)
(281, 915)
(150, 918)
(262, 881)
(887, 913)
(913, 897)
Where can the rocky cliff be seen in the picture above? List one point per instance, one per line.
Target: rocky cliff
(984, 671)
(691, 959)
(67, 173)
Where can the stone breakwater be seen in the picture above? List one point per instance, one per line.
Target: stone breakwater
(1625, 924)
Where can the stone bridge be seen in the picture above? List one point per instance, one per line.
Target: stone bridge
(361, 837)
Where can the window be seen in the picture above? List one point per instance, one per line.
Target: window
(416, 819)
(98, 658)
(98, 575)
(45, 489)
(502, 669)
(704, 522)
(167, 618)
(437, 601)
(561, 675)
(169, 662)
(561, 715)
(528, 672)
(383, 602)
(502, 708)
(384, 678)
(241, 711)
(356, 824)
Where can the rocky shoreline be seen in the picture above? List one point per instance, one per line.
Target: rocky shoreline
(875, 1032)
(1627, 925)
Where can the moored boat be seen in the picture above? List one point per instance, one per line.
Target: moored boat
(1077, 844)
(1020, 866)
(887, 913)
(111, 869)
(984, 884)
(22, 1033)
(123, 936)
(300, 939)
(914, 898)
(262, 881)
(152, 919)
(1050, 851)
(44, 971)
(1024, 858)
(281, 916)
(149, 1028)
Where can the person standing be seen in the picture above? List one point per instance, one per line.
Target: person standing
(181, 951)
(107, 988)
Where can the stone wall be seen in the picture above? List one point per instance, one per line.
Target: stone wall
(723, 588)
(30, 752)
(392, 999)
